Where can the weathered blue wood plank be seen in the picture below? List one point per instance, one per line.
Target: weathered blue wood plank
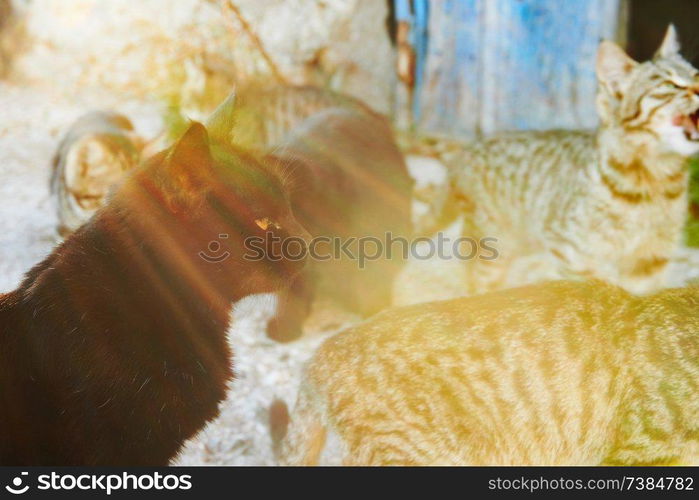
(539, 71)
(449, 100)
(495, 65)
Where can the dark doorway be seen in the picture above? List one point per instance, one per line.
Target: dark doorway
(648, 20)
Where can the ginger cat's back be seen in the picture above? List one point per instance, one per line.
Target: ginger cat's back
(563, 373)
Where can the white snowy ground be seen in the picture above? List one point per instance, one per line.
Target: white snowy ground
(32, 121)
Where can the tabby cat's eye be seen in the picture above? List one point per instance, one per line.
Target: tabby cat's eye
(266, 223)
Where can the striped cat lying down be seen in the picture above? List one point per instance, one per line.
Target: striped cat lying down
(559, 373)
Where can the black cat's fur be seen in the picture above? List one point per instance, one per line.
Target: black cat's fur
(348, 179)
(113, 350)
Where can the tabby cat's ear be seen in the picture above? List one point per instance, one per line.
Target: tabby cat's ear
(671, 43)
(613, 67)
(221, 121)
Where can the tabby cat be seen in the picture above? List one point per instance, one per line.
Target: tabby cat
(347, 179)
(259, 116)
(559, 373)
(91, 161)
(609, 204)
(113, 350)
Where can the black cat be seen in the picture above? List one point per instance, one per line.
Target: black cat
(348, 179)
(113, 350)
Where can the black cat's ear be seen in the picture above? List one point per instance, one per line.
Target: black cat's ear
(189, 163)
(192, 148)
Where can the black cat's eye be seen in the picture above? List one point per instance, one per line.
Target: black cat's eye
(266, 223)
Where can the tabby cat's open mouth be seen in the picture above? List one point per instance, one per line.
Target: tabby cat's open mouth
(689, 125)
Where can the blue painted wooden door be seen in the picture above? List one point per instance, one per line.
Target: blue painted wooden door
(492, 65)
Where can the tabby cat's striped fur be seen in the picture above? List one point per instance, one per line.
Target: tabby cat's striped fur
(91, 161)
(559, 373)
(261, 116)
(609, 204)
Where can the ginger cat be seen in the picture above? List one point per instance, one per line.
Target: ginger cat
(577, 373)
